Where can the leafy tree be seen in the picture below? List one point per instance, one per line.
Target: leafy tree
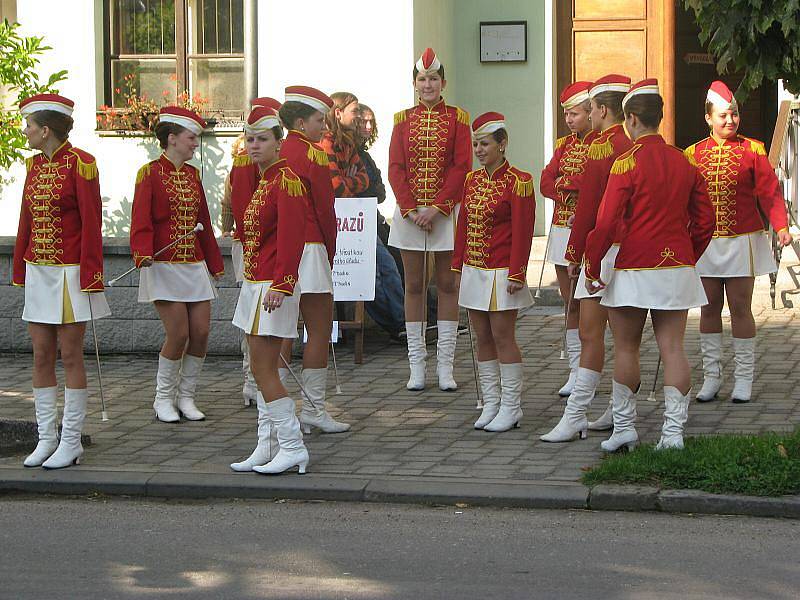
(19, 57)
(758, 38)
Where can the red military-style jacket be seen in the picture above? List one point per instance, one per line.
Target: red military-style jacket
(740, 179)
(661, 199)
(61, 216)
(603, 151)
(243, 180)
(341, 159)
(168, 203)
(562, 176)
(495, 225)
(310, 163)
(430, 154)
(271, 240)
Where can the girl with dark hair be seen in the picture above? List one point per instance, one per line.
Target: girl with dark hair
(660, 200)
(348, 175)
(492, 246)
(740, 182)
(429, 156)
(58, 258)
(168, 203)
(303, 114)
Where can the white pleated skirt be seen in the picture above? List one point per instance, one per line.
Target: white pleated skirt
(314, 275)
(176, 282)
(748, 255)
(606, 274)
(557, 243)
(237, 258)
(53, 296)
(405, 235)
(676, 288)
(252, 318)
(487, 290)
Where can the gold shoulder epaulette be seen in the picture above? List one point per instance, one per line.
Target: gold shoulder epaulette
(317, 155)
(242, 160)
(462, 116)
(561, 141)
(523, 186)
(87, 170)
(142, 173)
(291, 183)
(401, 116)
(626, 161)
(601, 148)
(756, 147)
(29, 162)
(689, 154)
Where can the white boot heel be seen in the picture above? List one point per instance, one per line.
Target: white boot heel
(69, 449)
(46, 416)
(169, 372)
(306, 428)
(417, 353)
(489, 380)
(573, 343)
(573, 422)
(301, 468)
(711, 349)
(510, 412)
(291, 450)
(623, 401)
(445, 354)
(314, 413)
(190, 369)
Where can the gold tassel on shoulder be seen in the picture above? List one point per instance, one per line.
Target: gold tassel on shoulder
(241, 160)
(689, 154)
(462, 116)
(292, 184)
(86, 170)
(399, 117)
(29, 163)
(523, 188)
(757, 148)
(317, 156)
(561, 141)
(143, 172)
(623, 164)
(599, 150)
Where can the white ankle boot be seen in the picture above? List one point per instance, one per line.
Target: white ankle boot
(573, 423)
(250, 387)
(711, 349)
(417, 353)
(291, 450)
(744, 359)
(573, 343)
(69, 449)
(314, 413)
(267, 445)
(44, 400)
(623, 401)
(445, 354)
(676, 412)
(510, 394)
(489, 380)
(192, 365)
(606, 420)
(169, 372)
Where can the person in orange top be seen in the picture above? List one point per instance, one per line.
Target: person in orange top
(492, 246)
(429, 156)
(168, 203)
(740, 182)
(661, 200)
(303, 114)
(609, 142)
(268, 306)
(58, 258)
(348, 173)
(559, 182)
(240, 185)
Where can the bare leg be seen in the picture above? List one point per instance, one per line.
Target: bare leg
(199, 317)
(503, 326)
(45, 347)
(446, 287)
(592, 329)
(317, 312)
(71, 337)
(175, 317)
(627, 324)
(669, 327)
(711, 313)
(566, 288)
(265, 352)
(481, 327)
(415, 288)
(739, 291)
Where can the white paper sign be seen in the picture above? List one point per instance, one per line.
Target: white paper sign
(354, 263)
(334, 333)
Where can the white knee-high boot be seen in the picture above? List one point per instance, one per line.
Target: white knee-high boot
(190, 369)
(314, 413)
(417, 353)
(573, 423)
(676, 412)
(44, 400)
(250, 387)
(623, 401)
(169, 372)
(489, 380)
(291, 450)
(744, 358)
(267, 441)
(510, 396)
(711, 349)
(69, 449)
(445, 354)
(284, 375)
(573, 343)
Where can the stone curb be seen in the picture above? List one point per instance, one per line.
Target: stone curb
(347, 488)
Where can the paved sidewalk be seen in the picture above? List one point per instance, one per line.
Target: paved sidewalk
(409, 434)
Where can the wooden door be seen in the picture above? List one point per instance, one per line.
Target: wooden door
(630, 37)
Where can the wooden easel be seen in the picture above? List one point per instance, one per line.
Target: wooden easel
(356, 325)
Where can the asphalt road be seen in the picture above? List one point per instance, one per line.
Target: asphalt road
(96, 548)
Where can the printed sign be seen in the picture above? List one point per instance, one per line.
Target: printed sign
(354, 263)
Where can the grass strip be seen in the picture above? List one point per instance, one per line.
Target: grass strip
(766, 464)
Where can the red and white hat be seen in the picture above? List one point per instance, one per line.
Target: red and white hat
(610, 83)
(645, 86)
(721, 96)
(428, 63)
(182, 116)
(46, 102)
(265, 101)
(260, 120)
(309, 96)
(487, 124)
(575, 94)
